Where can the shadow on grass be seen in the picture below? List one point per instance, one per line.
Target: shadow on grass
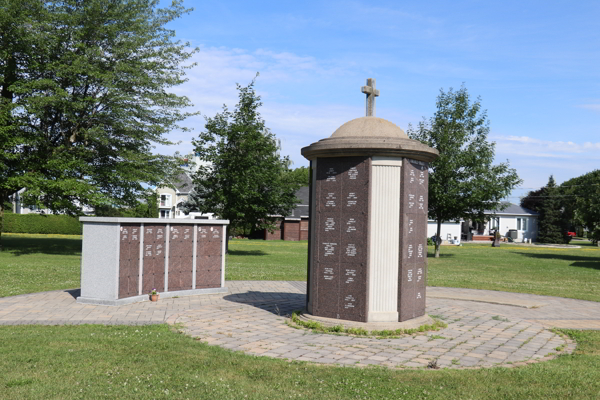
(576, 261)
(246, 253)
(442, 255)
(274, 302)
(19, 246)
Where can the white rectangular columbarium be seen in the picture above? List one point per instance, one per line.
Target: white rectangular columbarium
(123, 259)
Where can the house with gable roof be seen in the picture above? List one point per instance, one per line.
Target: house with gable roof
(512, 218)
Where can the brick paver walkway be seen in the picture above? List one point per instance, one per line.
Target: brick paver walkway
(251, 318)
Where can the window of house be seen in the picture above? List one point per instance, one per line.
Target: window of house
(165, 213)
(522, 224)
(165, 200)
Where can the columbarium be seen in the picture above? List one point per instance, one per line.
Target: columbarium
(123, 259)
(367, 258)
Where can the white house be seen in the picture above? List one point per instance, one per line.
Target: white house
(19, 208)
(512, 218)
(170, 200)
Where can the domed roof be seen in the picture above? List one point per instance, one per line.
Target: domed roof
(369, 127)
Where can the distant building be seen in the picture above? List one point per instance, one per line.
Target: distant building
(19, 208)
(514, 218)
(293, 226)
(170, 200)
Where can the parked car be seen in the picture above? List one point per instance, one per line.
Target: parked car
(572, 234)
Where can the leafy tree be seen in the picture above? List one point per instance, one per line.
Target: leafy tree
(534, 200)
(84, 97)
(463, 182)
(243, 179)
(300, 176)
(581, 202)
(550, 219)
(146, 208)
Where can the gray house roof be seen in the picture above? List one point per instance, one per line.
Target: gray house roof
(183, 183)
(512, 209)
(301, 209)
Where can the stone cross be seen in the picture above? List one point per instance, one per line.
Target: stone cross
(371, 93)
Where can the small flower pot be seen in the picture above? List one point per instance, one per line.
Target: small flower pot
(154, 297)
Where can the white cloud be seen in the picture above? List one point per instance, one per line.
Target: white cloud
(593, 107)
(212, 83)
(537, 148)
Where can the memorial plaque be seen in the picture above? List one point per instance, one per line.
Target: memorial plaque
(129, 260)
(208, 271)
(208, 256)
(341, 206)
(413, 241)
(353, 287)
(153, 275)
(181, 257)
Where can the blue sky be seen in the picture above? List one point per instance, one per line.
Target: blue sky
(535, 65)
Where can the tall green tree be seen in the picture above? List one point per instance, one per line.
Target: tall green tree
(550, 228)
(300, 176)
(243, 178)
(463, 181)
(581, 202)
(85, 97)
(533, 200)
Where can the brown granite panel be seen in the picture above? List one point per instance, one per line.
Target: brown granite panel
(353, 286)
(153, 276)
(129, 255)
(420, 289)
(328, 298)
(406, 294)
(215, 233)
(413, 241)
(181, 257)
(208, 271)
(341, 205)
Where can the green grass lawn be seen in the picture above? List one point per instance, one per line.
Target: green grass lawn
(259, 260)
(561, 272)
(35, 263)
(153, 362)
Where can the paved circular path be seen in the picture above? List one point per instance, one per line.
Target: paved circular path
(485, 328)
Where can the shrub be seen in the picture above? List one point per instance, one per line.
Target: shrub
(430, 242)
(40, 223)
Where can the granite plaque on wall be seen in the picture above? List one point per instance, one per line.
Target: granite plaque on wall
(153, 275)
(181, 257)
(208, 256)
(129, 260)
(413, 241)
(340, 256)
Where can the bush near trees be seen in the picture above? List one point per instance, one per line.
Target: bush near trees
(42, 224)
(85, 94)
(463, 182)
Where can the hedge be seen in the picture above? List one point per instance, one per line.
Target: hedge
(40, 223)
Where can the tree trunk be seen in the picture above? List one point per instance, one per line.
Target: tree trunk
(438, 240)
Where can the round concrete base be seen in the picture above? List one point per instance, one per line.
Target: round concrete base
(369, 326)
